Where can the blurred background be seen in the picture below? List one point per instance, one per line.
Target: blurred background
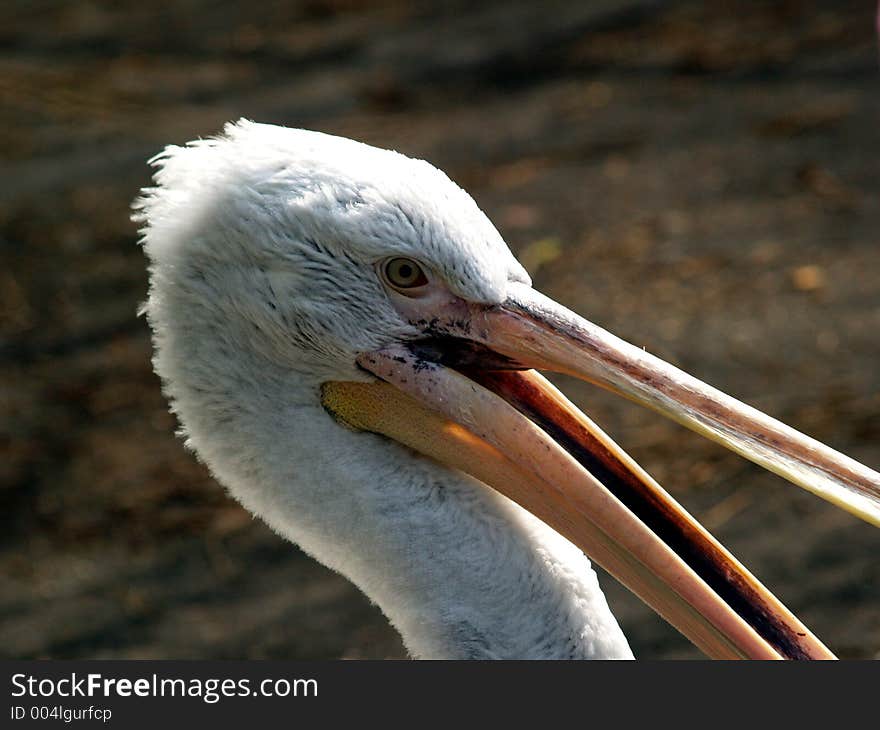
(699, 177)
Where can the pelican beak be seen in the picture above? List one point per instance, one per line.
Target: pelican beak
(466, 396)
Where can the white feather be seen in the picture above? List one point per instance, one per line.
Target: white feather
(262, 246)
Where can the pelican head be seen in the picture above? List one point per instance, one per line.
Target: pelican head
(351, 347)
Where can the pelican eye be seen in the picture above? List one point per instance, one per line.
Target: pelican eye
(402, 273)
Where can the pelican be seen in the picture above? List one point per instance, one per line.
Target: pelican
(350, 346)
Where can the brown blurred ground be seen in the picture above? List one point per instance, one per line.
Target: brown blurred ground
(701, 178)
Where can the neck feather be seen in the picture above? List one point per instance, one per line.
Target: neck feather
(461, 571)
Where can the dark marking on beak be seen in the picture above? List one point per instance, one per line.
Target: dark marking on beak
(461, 354)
